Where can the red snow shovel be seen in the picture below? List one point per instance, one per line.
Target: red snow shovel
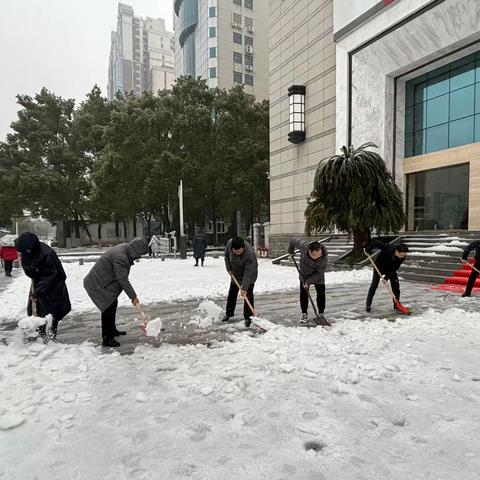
(398, 305)
(470, 265)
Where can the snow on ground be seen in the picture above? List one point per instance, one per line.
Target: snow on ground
(362, 400)
(169, 281)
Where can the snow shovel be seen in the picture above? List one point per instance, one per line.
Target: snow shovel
(318, 319)
(470, 265)
(143, 316)
(398, 305)
(258, 322)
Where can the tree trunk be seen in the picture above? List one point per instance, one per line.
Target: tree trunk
(77, 226)
(117, 228)
(85, 227)
(134, 227)
(361, 240)
(99, 230)
(214, 219)
(125, 230)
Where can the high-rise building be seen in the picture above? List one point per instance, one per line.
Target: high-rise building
(224, 42)
(141, 54)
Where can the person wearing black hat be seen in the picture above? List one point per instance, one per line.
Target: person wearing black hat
(241, 261)
(48, 290)
(388, 262)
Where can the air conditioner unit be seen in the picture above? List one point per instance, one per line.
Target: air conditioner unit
(249, 49)
(251, 29)
(249, 68)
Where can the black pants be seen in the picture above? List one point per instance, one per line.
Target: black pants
(108, 321)
(232, 301)
(8, 265)
(472, 278)
(202, 259)
(395, 284)
(320, 298)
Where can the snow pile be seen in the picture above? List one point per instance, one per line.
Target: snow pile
(209, 313)
(169, 281)
(30, 324)
(154, 327)
(293, 403)
(442, 248)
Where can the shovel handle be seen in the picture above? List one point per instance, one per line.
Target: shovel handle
(142, 313)
(470, 265)
(245, 298)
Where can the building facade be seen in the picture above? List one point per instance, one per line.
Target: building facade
(224, 42)
(406, 76)
(141, 54)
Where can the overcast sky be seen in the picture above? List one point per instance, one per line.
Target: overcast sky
(63, 45)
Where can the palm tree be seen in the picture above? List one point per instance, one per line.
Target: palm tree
(354, 192)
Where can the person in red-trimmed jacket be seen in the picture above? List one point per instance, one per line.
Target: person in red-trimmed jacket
(8, 255)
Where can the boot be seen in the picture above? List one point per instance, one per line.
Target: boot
(117, 333)
(110, 342)
(304, 318)
(368, 308)
(226, 317)
(466, 294)
(248, 321)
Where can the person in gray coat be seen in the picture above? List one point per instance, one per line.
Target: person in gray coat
(106, 281)
(241, 261)
(313, 262)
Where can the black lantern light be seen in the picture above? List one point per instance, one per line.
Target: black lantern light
(296, 94)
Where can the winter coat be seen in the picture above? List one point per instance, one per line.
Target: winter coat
(473, 246)
(199, 245)
(109, 276)
(244, 266)
(8, 253)
(154, 244)
(387, 262)
(312, 272)
(42, 265)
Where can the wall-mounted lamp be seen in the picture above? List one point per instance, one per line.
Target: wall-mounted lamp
(296, 94)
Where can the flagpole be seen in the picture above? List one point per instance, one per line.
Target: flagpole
(180, 199)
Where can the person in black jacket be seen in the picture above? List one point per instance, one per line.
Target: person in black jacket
(473, 275)
(313, 262)
(48, 290)
(199, 246)
(241, 261)
(388, 262)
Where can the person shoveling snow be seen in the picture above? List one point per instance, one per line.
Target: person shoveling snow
(48, 293)
(106, 281)
(241, 263)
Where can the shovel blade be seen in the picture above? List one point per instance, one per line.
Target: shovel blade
(402, 308)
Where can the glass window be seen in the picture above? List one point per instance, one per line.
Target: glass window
(249, 60)
(248, 79)
(462, 76)
(440, 107)
(212, 12)
(437, 86)
(461, 132)
(213, 72)
(437, 111)
(248, 40)
(237, 77)
(477, 128)
(237, 57)
(237, 38)
(213, 52)
(436, 138)
(237, 2)
(461, 102)
(212, 32)
(248, 3)
(438, 199)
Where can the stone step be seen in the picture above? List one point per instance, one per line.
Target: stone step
(438, 272)
(420, 278)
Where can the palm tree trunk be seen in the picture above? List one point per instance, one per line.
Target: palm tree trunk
(361, 239)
